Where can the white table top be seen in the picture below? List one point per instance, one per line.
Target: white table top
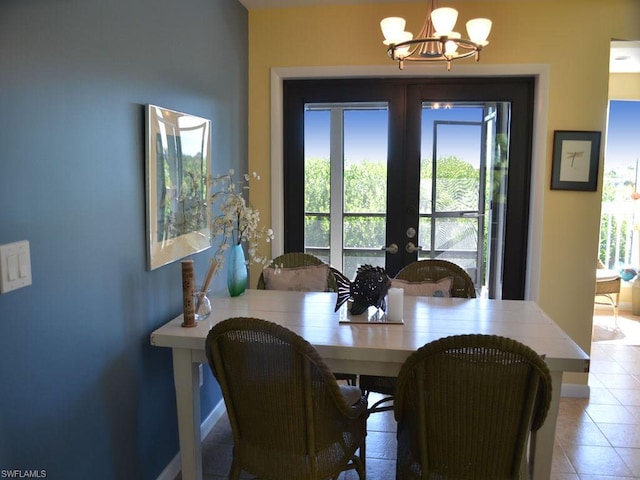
(379, 348)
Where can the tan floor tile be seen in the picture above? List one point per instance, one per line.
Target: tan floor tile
(611, 414)
(631, 457)
(634, 410)
(560, 463)
(564, 476)
(626, 396)
(607, 366)
(632, 367)
(621, 435)
(594, 460)
(599, 352)
(381, 422)
(627, 381)
(570, 433)
(605, 477)
(573, 409)
(376, 470)
(594, 382)
(382, 445)
(623, 353)
(619, 350)
(602, 396)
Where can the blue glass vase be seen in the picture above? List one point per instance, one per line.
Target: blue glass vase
(236, 271)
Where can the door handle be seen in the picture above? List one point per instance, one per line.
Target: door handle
(392, 249)
(411, 248)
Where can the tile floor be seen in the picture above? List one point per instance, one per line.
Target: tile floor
(596, 438)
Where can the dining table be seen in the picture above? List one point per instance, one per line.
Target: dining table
(367, 344)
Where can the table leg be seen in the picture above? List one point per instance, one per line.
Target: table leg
(544, 438)
(187, 384)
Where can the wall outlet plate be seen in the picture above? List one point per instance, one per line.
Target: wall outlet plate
(15, 266)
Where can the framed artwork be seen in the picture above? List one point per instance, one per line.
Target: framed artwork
(178, 157)
(575, 160)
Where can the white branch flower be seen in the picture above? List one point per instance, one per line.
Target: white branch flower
(234, 220)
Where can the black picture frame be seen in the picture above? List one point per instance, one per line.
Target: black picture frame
(576, 157)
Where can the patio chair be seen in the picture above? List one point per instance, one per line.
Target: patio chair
(466, 406)
(289, 417)
(608, 284)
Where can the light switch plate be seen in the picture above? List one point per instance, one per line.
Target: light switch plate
(15, 266)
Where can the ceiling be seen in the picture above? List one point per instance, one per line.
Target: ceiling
(625, 55)
(256, 4)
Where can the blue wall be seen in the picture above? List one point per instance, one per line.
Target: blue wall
(82, 393)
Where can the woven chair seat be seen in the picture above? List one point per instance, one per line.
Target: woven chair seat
(607, 281)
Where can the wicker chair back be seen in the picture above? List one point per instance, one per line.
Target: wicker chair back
(288, 416)
(435, 269)
(465, 407)
(298, 259)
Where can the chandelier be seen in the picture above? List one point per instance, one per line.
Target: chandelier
(436, 41)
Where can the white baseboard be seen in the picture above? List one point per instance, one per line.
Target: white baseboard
(574, 390)
(175, 465)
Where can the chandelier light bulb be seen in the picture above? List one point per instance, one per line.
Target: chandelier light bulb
(402, 52)
(478, 30)
(444, 20)
(392, 29)
(451, 47)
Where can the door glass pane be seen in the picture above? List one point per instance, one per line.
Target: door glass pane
(345, 183)
(365, 187)
(460, 155)
(458, 165)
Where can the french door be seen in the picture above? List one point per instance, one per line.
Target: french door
(386, 171)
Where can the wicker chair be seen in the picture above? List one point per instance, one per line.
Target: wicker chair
(465, 407)
(289, 417)
(419, 271)
(608, 286)
(298, 259)
(435, 269)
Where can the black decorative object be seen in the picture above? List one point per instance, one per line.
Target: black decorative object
(368, 289)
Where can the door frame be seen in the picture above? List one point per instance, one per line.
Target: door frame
(539, 145)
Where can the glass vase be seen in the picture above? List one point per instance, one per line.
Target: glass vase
(201, 305)
(236, 271)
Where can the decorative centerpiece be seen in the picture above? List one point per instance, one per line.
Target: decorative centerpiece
(368, 289)
(234, 227)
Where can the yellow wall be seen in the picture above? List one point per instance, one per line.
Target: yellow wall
(624, 86)
(571, 36)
